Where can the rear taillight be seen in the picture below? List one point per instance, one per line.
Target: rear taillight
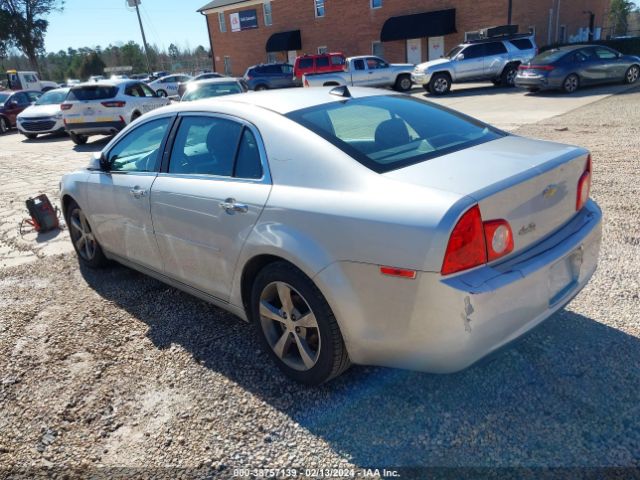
(499, 238)
(584, 185)
(115, 104)
(546, 68)
(474, 242)
(306, 82)
(65, 106)
(466, 247)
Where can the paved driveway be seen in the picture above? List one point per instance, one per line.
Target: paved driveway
(511, 108)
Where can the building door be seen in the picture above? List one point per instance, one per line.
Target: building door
(291, 56)
(414, 51)
(436, 47)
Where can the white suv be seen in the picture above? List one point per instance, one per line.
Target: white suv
(168, 86)
(106, 107)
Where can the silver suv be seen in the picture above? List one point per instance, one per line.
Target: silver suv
(494, 59)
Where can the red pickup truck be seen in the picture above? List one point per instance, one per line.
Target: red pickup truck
(321, 63)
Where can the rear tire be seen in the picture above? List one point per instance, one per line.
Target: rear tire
(299, 330)
(632, 75)
(161, 93)
(571, 83)
(78, 139)
(84, 242)
(508, 77)
(440, 84)
(135, 116)
(403, 83)
(31, 136)
(4, 125)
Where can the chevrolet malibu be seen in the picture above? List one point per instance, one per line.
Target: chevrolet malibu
(349, 225)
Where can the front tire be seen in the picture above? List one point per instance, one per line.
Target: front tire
(571, 83)
(260, 88)
(84, 241)
(440, 84)
(78, 139)
(296, 325)
(161, 93)
(632, 75)
(403, 83)
(31, 136)
(4, 125)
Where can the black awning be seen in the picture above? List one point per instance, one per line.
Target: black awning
(418, 25)
(279, 42)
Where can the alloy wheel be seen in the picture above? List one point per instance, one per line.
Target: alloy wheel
(633, 73)
(571, 84)
(440, 85)
(3, 125)
(405, 84)
(289, 326)
(81, 235)
(511, 76)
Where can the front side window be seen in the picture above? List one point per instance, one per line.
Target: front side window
(305, 63)
(474, 51)
(139, 151)
(322, 62)
(358, 64)
(221, 22)
(388, 132)
(266, 9)
(33, 96)
(374, 63)
(319, 8)
(148, 91)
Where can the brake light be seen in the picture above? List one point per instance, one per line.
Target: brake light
(547, 68)
(499, 238)
(65, 106)
(584, 186)
(306, 82)
(398, 272)
(467, 247)
(115, 103)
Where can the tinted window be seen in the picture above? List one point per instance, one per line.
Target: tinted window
(337, 60)
(522, 43)
(495, 48)
(248, 162)
(134, 91)
(358, 64)
(139, 151)
(205, 145)
(454, 52)
(322, 62)
(211, 90)
(580, 56)
(4, 97)
(148, 92)
(549, 56)
(388, 132)
(98, 92)
(305, 63)
(271, 69)
(21, 98)
(474, 51)
(53, 97)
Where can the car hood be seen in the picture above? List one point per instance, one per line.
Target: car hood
(40, 111)
(433, 63)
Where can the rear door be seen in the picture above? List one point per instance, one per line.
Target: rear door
(118, 199)
(207, 198)
(16, 104)
(496, 57)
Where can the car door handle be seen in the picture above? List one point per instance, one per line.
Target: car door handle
(230, 206)
(138, 192)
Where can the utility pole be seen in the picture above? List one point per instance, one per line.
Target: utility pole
(136, 3)
(510, 11)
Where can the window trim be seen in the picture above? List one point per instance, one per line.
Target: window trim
(166, 159)
(264, 14)
(316, 3)
(375, 8)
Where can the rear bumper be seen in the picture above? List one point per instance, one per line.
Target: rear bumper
(538, 82)
(95, 128)
(445, 324)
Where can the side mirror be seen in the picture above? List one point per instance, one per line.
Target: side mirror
(99, 162)
(460, 57)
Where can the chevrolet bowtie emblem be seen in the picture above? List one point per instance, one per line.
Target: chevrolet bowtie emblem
(550, 191)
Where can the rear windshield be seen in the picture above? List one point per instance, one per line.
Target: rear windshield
(93, 92)
(549, 56)
(388, 132)
(211, 90)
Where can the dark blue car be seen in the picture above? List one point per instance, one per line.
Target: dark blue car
(571, 67)
(269, 76)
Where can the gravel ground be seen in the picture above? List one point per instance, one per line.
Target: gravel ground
(114, 369)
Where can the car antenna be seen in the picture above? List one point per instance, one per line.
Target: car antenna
(342, 91)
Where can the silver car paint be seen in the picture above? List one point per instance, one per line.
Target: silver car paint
(338, 221)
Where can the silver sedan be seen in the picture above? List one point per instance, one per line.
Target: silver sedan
(350, 226)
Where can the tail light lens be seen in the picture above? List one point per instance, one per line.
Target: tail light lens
(306, 82)
(546, 68)
(115, 104)
(65, 106)
(398, 272)
(584, 185)
(499, 238)
(466, 247)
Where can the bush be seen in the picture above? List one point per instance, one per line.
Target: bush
(627, 46)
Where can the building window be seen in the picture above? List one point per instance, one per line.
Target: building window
(272, 57)
(563, 34)
(266, 8)
(227, 65)
(322, 50)
(222, 23)
(376, 3)
(532, 30)
(319, 8)
(377, 49)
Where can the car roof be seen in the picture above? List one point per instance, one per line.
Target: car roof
(106, 83)
(207, 81)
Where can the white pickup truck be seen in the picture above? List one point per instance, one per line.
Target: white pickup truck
(28, 81)
(364, 71)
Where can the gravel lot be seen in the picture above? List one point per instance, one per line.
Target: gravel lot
(114, 369)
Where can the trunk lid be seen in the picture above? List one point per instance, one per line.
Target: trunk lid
(529, 183)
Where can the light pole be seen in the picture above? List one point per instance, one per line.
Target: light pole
(509, 12)
(136, 4)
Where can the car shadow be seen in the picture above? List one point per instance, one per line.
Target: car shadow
(48, 138)
(584, 91)
(461, 90)
(94, 146)
(566, 395)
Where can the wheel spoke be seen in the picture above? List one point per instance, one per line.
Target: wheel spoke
(269, 311)
(284, 293)
(307, 321)
(75, 223)
(281, 345)
(305, 352)
(80, 242)
(83, 221)
(87, 248)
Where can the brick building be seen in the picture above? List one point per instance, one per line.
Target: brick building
(247, 32)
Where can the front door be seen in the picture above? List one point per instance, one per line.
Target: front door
(205, 205)
(436, 48)
(119, 199)
(469, 63)
(414, 51)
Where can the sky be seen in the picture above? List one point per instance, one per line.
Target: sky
(87, 23)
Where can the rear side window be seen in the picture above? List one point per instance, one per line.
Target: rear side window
(495, 48)
(97, 92)
(385, 133)
(248, 163)
(305, 63)
(322, 62)
(337, 60)
(522, 43)
(473, 51)
(272, 69)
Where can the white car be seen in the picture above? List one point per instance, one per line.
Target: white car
(168, 86)
(44, 116)
(106, 107)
